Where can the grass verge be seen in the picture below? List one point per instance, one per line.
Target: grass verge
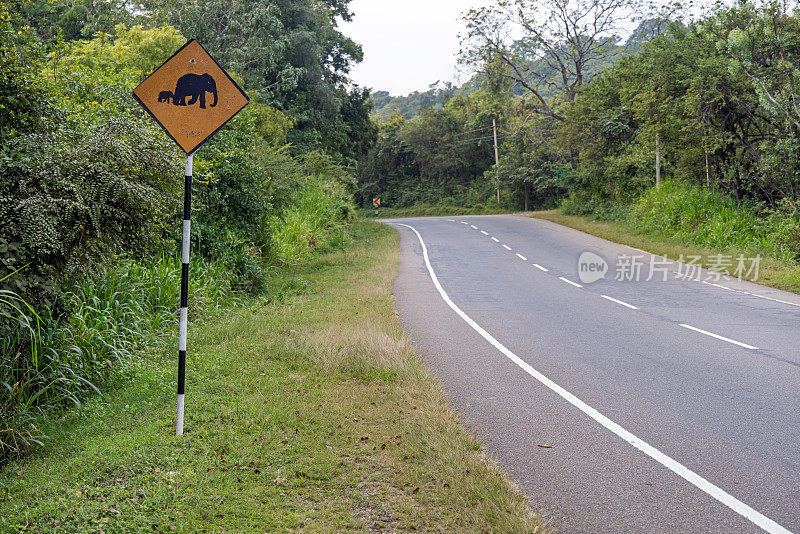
(772, 272)
(310, 412)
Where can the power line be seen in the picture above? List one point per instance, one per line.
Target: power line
(404, 149)
(475, 130)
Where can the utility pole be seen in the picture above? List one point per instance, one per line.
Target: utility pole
(496, 159)
(658, 163)
(708, 172)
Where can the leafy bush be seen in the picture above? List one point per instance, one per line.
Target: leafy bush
(242, 261)
(582, 202)
(711, 219)
(68, 199)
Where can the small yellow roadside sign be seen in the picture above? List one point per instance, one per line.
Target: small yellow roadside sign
(190, 96)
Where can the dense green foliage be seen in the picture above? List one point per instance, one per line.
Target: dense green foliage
(710, 219)
(579, 116)
(437, 158)
(90, 186)
(55, 360)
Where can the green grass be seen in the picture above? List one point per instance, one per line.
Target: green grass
(317, 219)
(54, 366)
(706, 218)
(309, 412)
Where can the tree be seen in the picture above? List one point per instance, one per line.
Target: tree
(81, 177)
(762, 46)
(561, 40)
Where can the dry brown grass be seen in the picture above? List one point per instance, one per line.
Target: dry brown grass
(426, 472)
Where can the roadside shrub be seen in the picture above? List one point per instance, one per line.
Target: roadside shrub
(242, 262)
(584, 203)
(318, 219)
(712, 219)
(67, 200)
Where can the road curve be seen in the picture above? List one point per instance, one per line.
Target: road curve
(669, 405)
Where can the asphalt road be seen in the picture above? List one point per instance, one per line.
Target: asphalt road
(615, 406)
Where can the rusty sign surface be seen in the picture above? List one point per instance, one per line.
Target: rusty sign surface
(190, 96)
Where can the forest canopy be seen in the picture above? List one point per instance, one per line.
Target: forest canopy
(579, 110)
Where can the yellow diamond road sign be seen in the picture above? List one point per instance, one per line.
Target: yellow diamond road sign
(190, 96)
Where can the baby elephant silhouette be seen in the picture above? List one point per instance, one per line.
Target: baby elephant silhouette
(165, 96)
(194, 86)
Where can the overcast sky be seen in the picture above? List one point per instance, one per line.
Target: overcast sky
(408, 44)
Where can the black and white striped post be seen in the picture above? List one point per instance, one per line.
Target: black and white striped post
(184, 321)
(189, 126)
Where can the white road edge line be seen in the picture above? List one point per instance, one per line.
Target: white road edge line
(570, 282)
(495, 240)
(754, 294)
(523, 258)
(620, 302)
(750, 347)
(506, 247)
(716, 285)
(679, 469)
(772, 299)
(541, 268)
(484, 232)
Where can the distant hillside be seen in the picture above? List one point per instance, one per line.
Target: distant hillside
(412, 105)
(439, 93)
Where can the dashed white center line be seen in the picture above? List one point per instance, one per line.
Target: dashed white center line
(541, 268)
(750, 347)
(473, 227)
(523, 258)
(570, 282)
(484, 233)
(450, 220)
(495, 240)
(619, 302)
(717, 493)
(506, 247)
(464, 222)
(772, 299)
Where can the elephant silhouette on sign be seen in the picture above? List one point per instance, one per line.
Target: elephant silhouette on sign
(165, 96)
(195, 86)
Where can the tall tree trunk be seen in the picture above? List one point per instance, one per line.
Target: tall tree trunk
(527, 195)
(658, 162)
